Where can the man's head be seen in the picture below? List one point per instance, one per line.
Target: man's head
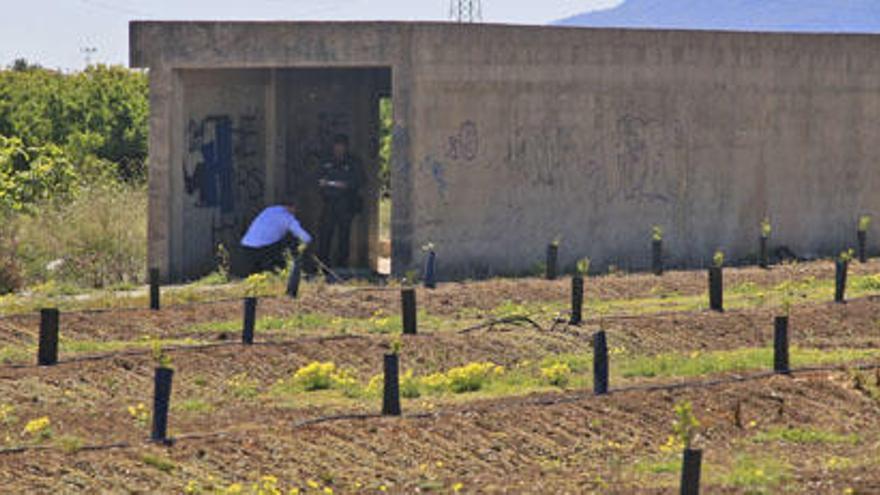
(291, 206)
(340, 146)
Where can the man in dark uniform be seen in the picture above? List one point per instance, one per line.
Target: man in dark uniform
(339, 181)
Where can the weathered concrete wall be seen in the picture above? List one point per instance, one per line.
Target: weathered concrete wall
(222, 174)
(507, 137)
(523, 135)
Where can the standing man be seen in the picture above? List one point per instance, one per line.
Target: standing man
(339, 181)
(269, 235)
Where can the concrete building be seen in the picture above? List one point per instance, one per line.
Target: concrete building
(507, 137)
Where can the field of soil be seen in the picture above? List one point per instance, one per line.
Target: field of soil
(235, 424)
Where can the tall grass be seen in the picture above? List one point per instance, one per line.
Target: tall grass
(98, 239)
(10, 269)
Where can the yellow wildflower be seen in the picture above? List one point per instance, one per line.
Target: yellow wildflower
(37, 426)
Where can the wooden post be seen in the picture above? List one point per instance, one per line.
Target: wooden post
(552, 259)
(577, 300)
(763, 253)
(391, 391)
(294, 278)
(863, 246)
(600, 363)
(161, 404)
(690, 472)
(249, 320)
(716, 288)
(47, 353)
(408, 308)
(657, 257)
(430, 271)
(780, 345)
(154, 289)
(841, 268)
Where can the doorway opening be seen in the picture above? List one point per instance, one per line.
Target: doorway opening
(315, 106)
(386, 125)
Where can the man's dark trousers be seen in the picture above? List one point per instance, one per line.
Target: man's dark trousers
(336, 218)
(269, 258)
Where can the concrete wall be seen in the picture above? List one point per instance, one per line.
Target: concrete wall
(507, 137)
(523, 135)
(225, 135)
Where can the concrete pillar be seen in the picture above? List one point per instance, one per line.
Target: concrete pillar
(159, 189)
(271, 133)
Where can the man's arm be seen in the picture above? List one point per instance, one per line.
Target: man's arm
(298, 231)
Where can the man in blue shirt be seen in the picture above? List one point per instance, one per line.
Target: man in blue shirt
(268, 236)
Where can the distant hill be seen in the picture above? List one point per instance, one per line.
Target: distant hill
(843, 16)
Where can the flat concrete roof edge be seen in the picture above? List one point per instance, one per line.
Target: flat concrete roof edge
(489, 25)
(142, 30)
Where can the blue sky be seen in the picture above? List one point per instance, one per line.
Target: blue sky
(55, 33)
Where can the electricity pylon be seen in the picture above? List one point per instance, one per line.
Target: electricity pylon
(466, 10)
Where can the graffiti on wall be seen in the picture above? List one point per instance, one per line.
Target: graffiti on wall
(465, 144)
(438, 173)
(542, 153)
(645, 171)
(640, 160)
(222, 171)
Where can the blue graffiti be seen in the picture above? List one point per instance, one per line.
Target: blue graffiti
(213, 177)
(438, 172)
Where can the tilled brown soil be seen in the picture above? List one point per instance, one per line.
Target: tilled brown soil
(448, 300)
(567, 442)
(539, 444)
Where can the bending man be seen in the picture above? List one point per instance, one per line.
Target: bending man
(268, 236)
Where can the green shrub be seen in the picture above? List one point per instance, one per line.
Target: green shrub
(32, 174)
(72, 154)
(102, 109)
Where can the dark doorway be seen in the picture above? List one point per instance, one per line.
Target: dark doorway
(314, 106)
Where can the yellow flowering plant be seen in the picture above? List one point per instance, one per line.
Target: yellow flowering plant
(139, 414)
(322, 376)
(556, 374)
(39, 428)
